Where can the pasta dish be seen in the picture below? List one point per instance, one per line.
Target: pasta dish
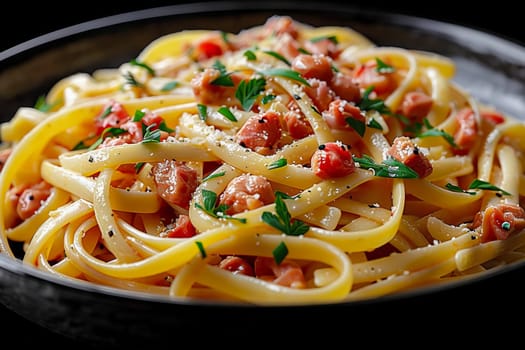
(283, 164)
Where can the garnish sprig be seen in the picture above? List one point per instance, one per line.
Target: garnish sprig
(282, 219)
(389, 167)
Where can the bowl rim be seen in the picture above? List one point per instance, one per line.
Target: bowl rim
(464, 34)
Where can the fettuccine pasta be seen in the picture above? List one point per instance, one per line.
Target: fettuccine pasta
(284, 164)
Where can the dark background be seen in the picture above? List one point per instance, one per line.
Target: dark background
(23, 21)
(27, 21)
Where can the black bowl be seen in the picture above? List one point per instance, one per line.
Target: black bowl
(491, 68)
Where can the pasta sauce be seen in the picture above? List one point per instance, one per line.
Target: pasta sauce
(284, 164)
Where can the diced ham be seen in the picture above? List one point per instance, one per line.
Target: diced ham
(320, 93)
(260, 132)
(404, 150)
(114, 119)
(366, 75)
(324, 46)
(4, 154)
(338, 111)
(31, 198)
(345, 87)
(247, 192)
(237, 265)
(175, 182)
(279, 25)
(297, 126)
(333, 159)
(287, 273)
(416, 105)
(182, 228)
(466, 132)
(208, 93)
(313, 66)
(499, 222)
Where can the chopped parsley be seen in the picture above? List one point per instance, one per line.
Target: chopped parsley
(383, 68)
(279, 163)
(203, 111)
(283, 221)
(358, 125)
(213, 176)
(278, 56)
(285, 73)
(224, 79)
(170, 86)
(150, 70)
(390, 167)
(476, 184)
(201, 249)
(225, 111)
(331, 38)
(280, 252)
(247, 92)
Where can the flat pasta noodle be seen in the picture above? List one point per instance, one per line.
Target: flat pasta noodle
(283, 164)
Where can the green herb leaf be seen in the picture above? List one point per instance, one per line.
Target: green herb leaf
(43, 106)
(213, 176)
(278, 56)
(285, 73)
(250, 55)
(106, 112)
(137, 117)
(151, 135)
(209, 201)
(268, 98)
(224, 37)
(131, 80)
(372, 123)
(282, 221)
(390, 167)
(107, 132)
(368, 104)
(383, 68)
(279, 163)
(224, 79)
(302, 50)
(203, 111)
(150, 70)
(358, 125)
(201, 249)
(138, 166)
(484, 185)
(170, 86)
(247, 92)
(455, 188)
(225, 111)
(332, 38)
(432, 131)
(280, 252)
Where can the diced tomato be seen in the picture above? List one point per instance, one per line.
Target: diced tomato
(333, 159)
(260, 132)
(183, 228)
(175, 182)
(493, 117)
(236, 265)
(466, 132)
(207, 49)
(287, 273)
(405, 151)
(247, 192)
